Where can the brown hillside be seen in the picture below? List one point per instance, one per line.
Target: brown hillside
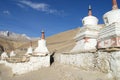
(62, 42)
(9, 45)
(6, 44)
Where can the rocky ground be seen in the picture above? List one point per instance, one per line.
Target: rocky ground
(55, 72)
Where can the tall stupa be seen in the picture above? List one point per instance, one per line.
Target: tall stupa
(86, 38)
(110, 35)
(42, 48)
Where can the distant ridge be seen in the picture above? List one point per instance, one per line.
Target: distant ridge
(10, 40)
(14, 36)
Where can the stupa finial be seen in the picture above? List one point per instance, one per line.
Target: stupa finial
(115, 6)
(89, 10)
(43, 34)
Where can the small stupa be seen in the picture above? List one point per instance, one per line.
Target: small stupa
(42, 48)
(86, 38)
(4, 55)
(29, 50)
(12, 53)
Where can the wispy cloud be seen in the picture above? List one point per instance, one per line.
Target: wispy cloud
(21, 5)
(6, 12)
(43, 7)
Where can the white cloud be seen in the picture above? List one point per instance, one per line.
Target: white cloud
(6, 12)
(20, 5)
(40, 7)
(37, 6)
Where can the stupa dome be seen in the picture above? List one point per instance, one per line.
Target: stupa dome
(90, 20)
(113, 15)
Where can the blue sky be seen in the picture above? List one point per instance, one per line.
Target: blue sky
(54, 16)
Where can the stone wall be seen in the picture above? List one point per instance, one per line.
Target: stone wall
(103, 61)
(106, 62)
(84, 61)
(109, 62)
(35, 63)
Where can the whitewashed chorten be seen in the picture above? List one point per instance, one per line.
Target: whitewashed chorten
(42, 48)
(4, 55)
(113, 15)
(110, 35)
(86, 38)
(12, 53)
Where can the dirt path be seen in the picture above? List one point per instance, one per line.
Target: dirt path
(55, 72)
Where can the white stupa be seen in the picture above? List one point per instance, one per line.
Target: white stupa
(42, 48)
(86, 38)
(29, 50)
(109, 36)
(12, 53)
(112, 16)
(4, 55)
(90, 20)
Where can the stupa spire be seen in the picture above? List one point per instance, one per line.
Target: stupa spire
(90, 11)
(115, 6)
(43, 34)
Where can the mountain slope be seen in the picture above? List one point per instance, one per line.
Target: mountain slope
(62, 42)
(10, 40)
(10, 44)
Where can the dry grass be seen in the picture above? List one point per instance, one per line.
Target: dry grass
(62, 42)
